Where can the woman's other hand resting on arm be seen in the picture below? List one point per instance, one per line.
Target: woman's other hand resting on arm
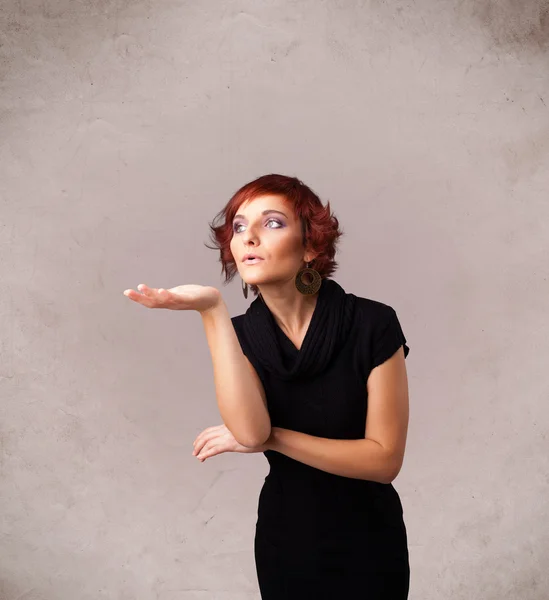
(218, 439)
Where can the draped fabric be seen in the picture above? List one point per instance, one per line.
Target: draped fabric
(321, 535)
(329, 327)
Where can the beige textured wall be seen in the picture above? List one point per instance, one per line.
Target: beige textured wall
(124, 127)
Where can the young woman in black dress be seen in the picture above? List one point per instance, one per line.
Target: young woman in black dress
(315, 378)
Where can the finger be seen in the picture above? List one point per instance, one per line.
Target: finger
(211, 447)
(200, 442)
(139, 298)
(149, 292)
(201, 454)
(209, 450)
(154, 292)
(204, 439)
(145, 291)
(205, 435)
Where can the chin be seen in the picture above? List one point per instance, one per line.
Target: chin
(254, 280)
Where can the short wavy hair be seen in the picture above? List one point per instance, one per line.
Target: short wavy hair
(320, 228)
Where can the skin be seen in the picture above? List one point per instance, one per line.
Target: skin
(379, 455)
(278, 240)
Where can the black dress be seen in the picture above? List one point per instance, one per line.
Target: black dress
(322, 536)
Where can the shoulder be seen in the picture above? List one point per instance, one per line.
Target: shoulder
(380, 330)
(372, 312)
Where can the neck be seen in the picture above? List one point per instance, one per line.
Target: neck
(291, 309)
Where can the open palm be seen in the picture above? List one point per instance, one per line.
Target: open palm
(182, 297)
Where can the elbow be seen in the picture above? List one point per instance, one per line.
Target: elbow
(255, 440)
(387, 478)
(392, 471)
(389, 466)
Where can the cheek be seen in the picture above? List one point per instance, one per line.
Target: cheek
(232, 246)
(284, 246)
(291, 251)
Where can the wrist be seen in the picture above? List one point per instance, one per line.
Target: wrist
(213, 311)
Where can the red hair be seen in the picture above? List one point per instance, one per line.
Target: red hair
(320, 228)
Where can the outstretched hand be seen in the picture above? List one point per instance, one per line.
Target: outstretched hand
(218, 439)
(183, 297)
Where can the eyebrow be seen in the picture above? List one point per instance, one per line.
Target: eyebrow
(265, 212)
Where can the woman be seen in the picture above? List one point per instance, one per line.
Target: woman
(314, 378)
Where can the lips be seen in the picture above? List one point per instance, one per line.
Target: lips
(251, 258)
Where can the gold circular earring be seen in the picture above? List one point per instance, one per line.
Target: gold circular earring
(310, 287)
(245, 289)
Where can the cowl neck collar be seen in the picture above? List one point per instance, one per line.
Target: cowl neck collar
(329, 328)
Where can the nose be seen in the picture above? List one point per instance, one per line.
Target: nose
(250, 237)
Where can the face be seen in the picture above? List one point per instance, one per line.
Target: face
(267, 227)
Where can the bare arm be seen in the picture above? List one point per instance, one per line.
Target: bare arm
(357, 459)
(239, 391)
(377, 457)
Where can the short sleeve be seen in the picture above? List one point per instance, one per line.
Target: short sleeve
(245, 346)
(387, 337)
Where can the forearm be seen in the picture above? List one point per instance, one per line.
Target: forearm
(239, 398)
(358, 459)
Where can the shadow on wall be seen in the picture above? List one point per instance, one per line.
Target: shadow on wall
(514, 25)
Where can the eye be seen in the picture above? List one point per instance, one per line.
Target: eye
(237, 225)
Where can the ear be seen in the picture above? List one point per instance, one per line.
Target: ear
(309, 256)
